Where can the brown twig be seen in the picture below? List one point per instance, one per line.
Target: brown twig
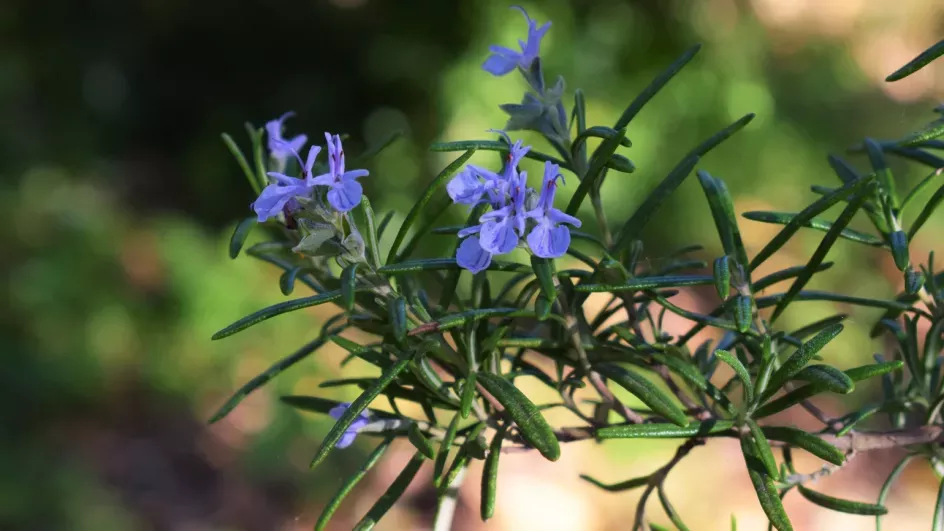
(658, 478)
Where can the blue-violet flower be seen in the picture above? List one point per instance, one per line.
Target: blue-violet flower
(345, 192)
(277, 195)
(503, 60)
(351, 432)
(279, 147)
(548, 239)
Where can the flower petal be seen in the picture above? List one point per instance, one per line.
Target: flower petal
(548, 241)
(273, 198)
(499, 65)
(345, 195)
(339, 410)
(557, 216)
(465, 188)
(474, 229)
(499, 237)
(346, 440)
(471, 256)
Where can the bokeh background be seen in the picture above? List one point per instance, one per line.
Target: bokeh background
(117, 198)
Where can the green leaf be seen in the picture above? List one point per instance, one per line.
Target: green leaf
(764, 486)
(722, 210)
(670, 511)
(919, 188)
(275, 310)
(882, 173)
(287, 280)
(798, 360)
(740, 370)
(490, 474)
(366, 214)
(468, 395)
(665, 431)
(743, 312)
(931, 131)
(243, 164)
(469, 316)
(820, 254)
(785, 218)
(926, 212)
(722, 276)
(544, 271)
(645, 283)
(810, 295)
(238, 239)
(427, 196)
(633, 227)
(493, 145)
(420, 441)
(919, 62)
(398, 320)
(443, 264)
(597, 131)
(807, 441)
(596, 170)
(887, 487)
(764, 453)
(829, 378)
(274, 370)
(534, 429)
(629, 484)
(899, 244)
(840, 505)
(805, 217)
(392, 494)
(258, 155)
(359, 405)
(654, 87)
(645, 391)
(444, 447)
(796, 396)
(332, 506)
(620, 163)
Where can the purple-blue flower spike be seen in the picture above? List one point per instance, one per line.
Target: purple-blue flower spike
(503, 60)
(466, 188)
(500, 229)
(345, 192)
(275, 196)
(351, 432)
(279, 147)
(548, 239)
(471, 256)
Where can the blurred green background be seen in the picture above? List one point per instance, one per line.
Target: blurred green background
(117, 198)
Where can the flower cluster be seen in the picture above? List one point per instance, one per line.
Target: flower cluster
(343, 192)
(514, 208)
(503, 60)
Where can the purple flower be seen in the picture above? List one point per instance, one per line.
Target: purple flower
(471, 256)
(503, 60)
(345, 192)
(275, 196)
(548, 239)
(280, 148)
(473, 182)
(466, 187)
(351, 432)
(500, 229)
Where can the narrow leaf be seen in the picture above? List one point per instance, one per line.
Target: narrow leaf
(829, 378)
(359, 405)
(820, 254)
(800, 358)
(260, 380)
(238, 239)
(646, 391)
(243, 163)
(335, 502)
(349, 286)
(444, 447)
(420, 442)
(807, 441)
(534, 429)
(887, 487)
(644, 283)
(784, 218)
(919, 62)
(629, 484)
(926, 212)
(596, 170)
(840, 505)
(764, 486)
(764, 453)
(654, 87)
(722, 276)
(392, 494)
(490, 474)
(398, 321)
(493, 145)
(740, 370)
(275, 310)
(665, 431)
(722, 210)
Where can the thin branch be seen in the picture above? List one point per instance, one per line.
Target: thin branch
(658, 478)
